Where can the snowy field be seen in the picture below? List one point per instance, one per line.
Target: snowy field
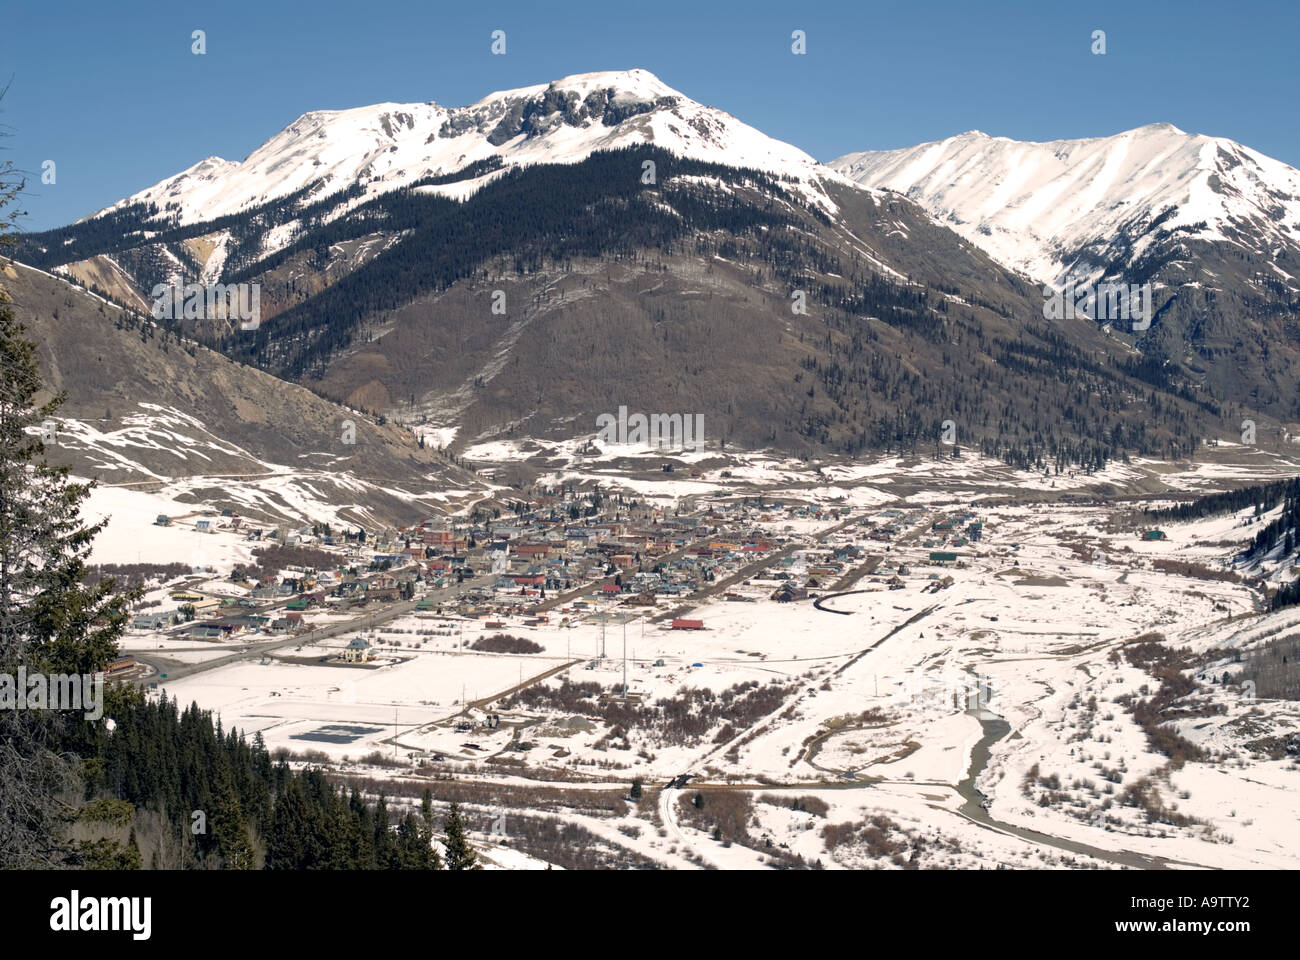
(969, 714)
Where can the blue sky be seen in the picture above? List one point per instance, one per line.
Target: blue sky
(111, 92)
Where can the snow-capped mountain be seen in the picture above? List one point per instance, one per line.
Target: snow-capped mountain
(391, 145)
(1080, 209)
(507, 269)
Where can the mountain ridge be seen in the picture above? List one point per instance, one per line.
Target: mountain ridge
(567, 200)
(390, 145)
(994, 191)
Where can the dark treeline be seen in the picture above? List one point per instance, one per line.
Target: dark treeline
(545, 213)
(1262, 497)
(122, 234)
(219, 801)
(529, 218)
(1283, 531)
(1280, 532)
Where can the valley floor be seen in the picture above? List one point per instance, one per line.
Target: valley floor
(978, 709)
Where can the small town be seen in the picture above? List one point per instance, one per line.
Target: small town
(481, 441)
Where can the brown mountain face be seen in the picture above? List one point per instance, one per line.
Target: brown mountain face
(556, 294)
(903, 326)
(1227, 322)
(144, 408)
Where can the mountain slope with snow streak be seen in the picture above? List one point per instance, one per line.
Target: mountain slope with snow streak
(1049, 209)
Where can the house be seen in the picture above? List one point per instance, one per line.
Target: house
(440, 537)
(531, 551)
(939, 556)
(358, 650)
(120, 666)
(789, 593)
(241, 622)
(688, 624)
(162, 520)
(1154, 535)
(203, 526)
(151, 621)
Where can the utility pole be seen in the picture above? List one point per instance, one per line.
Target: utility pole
(624, 659)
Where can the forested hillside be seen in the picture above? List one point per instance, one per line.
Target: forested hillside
(203, 798)
(555, 293)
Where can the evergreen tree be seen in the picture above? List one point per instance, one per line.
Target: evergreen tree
(426, 831)
(459, 854)
(50, 622)
(383, 838)
(228, 828)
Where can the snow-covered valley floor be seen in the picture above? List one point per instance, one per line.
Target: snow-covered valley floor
(978, 712)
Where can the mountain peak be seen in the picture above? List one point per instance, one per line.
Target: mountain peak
(1161, 127)
(388, 146)
(633, 84)
(1035, 206)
